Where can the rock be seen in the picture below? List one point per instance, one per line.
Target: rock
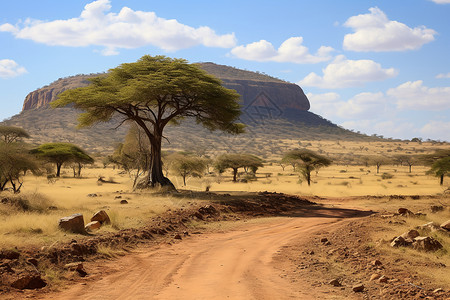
(102, 217)
(430, 226)
(383, 279)
(335, 282)
(323, 240)
(410, 235)
(76, 266)
(446, 225)
(9, 254)
(92, 226)
(438, 290)
(123, 201)
(375, 277)
(92, 195)
(376, 263)
(358, 288)
(118, 197)
(405, 212)
(208, 210)
(436, 208)
(33, 261)
(177, 237)
(426, 243)
(29, 282)
(400, 242)
(73, 223)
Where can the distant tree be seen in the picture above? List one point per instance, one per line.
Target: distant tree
(440, 168)
(10, 134)
(61, 153)
(378, 161)
(308, 161)
(188, 166)
(15, 161)
(153, 92)
(409, 160)
(236, 161)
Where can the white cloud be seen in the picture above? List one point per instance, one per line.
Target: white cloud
(443, 75)
(127, 29)
(441, 1)
(9, 68)
(414, 95)
(437, 130)
(291, 50)
(375, 32)
(386, 128)
(362, 106)
(343, 73)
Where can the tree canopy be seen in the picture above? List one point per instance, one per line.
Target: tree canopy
(440, 168)
(187, 165)
(237, 160)
(10, 134)
(153, 92)
(307, 161)
(60, 153)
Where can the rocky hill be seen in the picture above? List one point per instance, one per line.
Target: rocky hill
(274, 111)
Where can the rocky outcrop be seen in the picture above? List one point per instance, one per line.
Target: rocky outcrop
(256, 90)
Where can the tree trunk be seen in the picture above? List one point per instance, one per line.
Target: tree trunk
(308, 178)
(235, 170)
(442, 179)
(80, 166)
(58, 169)
(410, 168)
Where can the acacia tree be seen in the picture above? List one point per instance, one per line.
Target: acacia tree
(188, 166)
(15, 161)
(308, 161)
(61, 153)
(236, 161)
(153, 92)
(10, 134)
(440, 168)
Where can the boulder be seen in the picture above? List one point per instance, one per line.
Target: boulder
(426, 243)
(123, 201)
(92, 226)
(446, 225)
(410, 235)
(29, 281)
(400, 242)
(436, 208)
(358, 288)
(430, 226)
(73, 223)
(405, 212)
(102, 217)
(335, 282)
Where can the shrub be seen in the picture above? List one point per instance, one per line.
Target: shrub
(387, 176)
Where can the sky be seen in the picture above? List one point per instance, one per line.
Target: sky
(379, 67)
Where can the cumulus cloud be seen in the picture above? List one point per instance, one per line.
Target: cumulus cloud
(362, 106)
(127, 29)
(443, 75)
(291, 50)
(375, 32)
(414, 95)
(344, 73)
(9, 68)
(438, 130)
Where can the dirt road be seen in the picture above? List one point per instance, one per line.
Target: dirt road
(233, 265)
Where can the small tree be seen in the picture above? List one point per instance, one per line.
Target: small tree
(440, 168)
(61, 153)
(308, 161)
(236, 161)
(10, 134)
(188, 166)
(14, 163)
(378, 161)
(409, 160)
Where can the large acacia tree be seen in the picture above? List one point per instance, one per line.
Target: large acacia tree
(153, 92)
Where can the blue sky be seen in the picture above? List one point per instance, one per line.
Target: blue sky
(373, 66)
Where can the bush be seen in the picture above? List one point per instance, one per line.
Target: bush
(387, 176)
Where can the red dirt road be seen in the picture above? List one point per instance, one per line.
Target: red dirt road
(233, 265)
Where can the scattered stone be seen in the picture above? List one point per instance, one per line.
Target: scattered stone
(436, 208)
(376, 263)
(323, 240)
(437, 291)
(73, 223)
(405, 212)
(177, 237)
(29, 282)
(430, 226)
(426, 243)
(387, 216)
(77, 267)
(118, 197)
(383, 279)
(335, 282)
(446, 225)
(123, 201)
(400, 242)
(375, 277)
(92, 195)
(92, 226)
(9, 254)
(358, 288)
(410, 235)
(102, 217)
(33, 261)
(52, 208)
